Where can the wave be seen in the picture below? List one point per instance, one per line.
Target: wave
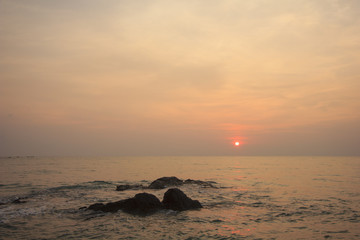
(86, 185)
(41, 192)
(15, 185)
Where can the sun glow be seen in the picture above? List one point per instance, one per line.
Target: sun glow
(237, 141)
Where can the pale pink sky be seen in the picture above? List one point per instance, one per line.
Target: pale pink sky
(166, 77)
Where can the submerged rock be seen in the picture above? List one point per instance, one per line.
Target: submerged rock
(127, 187)
(175, 199)
(18, 201)
(164, 182)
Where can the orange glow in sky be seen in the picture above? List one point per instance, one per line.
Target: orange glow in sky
(194, 77)
(237, 141)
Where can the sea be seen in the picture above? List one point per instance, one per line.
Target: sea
(253, 197)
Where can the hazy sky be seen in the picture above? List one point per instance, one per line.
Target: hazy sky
(188, 77)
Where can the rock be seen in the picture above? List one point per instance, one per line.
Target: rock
(18, 201)
(127, 187)
(164, 182)
(175, 199)
(141, 203)
(111, 206)
(123, 187)
(96, 207)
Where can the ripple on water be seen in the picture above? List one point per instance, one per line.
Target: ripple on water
(245, 208)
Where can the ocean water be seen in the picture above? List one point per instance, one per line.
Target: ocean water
(254, 198)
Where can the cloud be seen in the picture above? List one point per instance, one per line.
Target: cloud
(174, 70)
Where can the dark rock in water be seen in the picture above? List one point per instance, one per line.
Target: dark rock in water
(175, 199)
(127, 187)
(123, 187)
(164, 182)
(96, 207)
(145, 203)
(141, 203)
(18, 201)
(111, 206)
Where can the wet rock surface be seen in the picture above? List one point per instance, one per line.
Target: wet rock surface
(18, 201)
(175, 199)
(128, 186)
(164, 182)
(141, 203)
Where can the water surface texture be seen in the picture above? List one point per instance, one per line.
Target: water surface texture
(255, 198)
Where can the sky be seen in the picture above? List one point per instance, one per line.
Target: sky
(169, 77)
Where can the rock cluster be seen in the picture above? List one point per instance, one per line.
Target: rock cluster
(165, 182)
(141, 203)
(146, 203)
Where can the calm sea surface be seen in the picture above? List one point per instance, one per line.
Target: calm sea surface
(255, 198)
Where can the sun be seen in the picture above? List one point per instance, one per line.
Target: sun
(237, 141)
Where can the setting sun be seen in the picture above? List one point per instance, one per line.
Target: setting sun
(237, 141)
